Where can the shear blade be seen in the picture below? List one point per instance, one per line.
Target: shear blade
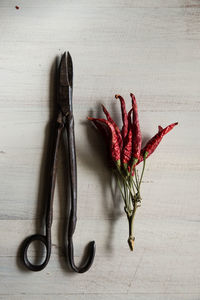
(65, 83)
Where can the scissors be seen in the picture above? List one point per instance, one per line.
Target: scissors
(65, 122)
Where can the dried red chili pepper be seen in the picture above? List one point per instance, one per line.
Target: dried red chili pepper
(119, 136)
(126, 153)
(102, 129)
(131, 155)
(153, 143)
(124, 116)
(114, 145)
(129, 119)
(137, 136)
(127, 150)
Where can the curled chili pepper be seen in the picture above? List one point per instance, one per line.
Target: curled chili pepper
(153, 143)
(124, 116)
(126, 154)
(137, 136)
(102, 129)
(127, 149)
(119, 136)
(114, 145)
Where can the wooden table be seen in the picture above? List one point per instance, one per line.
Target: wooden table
(150, 48)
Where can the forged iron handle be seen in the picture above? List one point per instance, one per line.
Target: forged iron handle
(46, 241)
(89, 260)
(73, 213)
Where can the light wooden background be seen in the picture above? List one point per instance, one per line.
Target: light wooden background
(150, 48)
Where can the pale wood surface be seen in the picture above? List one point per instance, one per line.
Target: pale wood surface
(149, 47)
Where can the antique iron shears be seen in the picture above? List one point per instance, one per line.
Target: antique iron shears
(65, 122)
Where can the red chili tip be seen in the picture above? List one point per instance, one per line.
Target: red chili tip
(132, 95)
(17, 7)
(117, 96)
(176, 123)
(103, 107)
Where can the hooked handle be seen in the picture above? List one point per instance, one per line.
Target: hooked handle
(46, 242)
(73, 213)
(89, 260)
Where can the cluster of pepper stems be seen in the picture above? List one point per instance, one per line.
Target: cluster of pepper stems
(126, 153)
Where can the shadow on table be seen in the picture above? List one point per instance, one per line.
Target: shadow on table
(99, 163)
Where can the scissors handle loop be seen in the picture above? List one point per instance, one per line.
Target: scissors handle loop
(46, 242)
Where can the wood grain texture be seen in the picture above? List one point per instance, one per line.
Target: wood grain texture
(151, 48)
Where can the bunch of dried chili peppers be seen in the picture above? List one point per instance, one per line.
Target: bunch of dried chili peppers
(126, 153)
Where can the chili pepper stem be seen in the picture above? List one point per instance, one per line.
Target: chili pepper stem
(144, 163)
(131, 238)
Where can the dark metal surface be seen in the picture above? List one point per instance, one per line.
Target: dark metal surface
(65, 121)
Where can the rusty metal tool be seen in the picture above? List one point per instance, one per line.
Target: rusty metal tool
(65, 122)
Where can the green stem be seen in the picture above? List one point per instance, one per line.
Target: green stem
(125, 192)
(129, 199)
(130, 190)
(132, 182)
(126, 183)
(131, 177)
(120, 187)
(136, 179)
(144, 163)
